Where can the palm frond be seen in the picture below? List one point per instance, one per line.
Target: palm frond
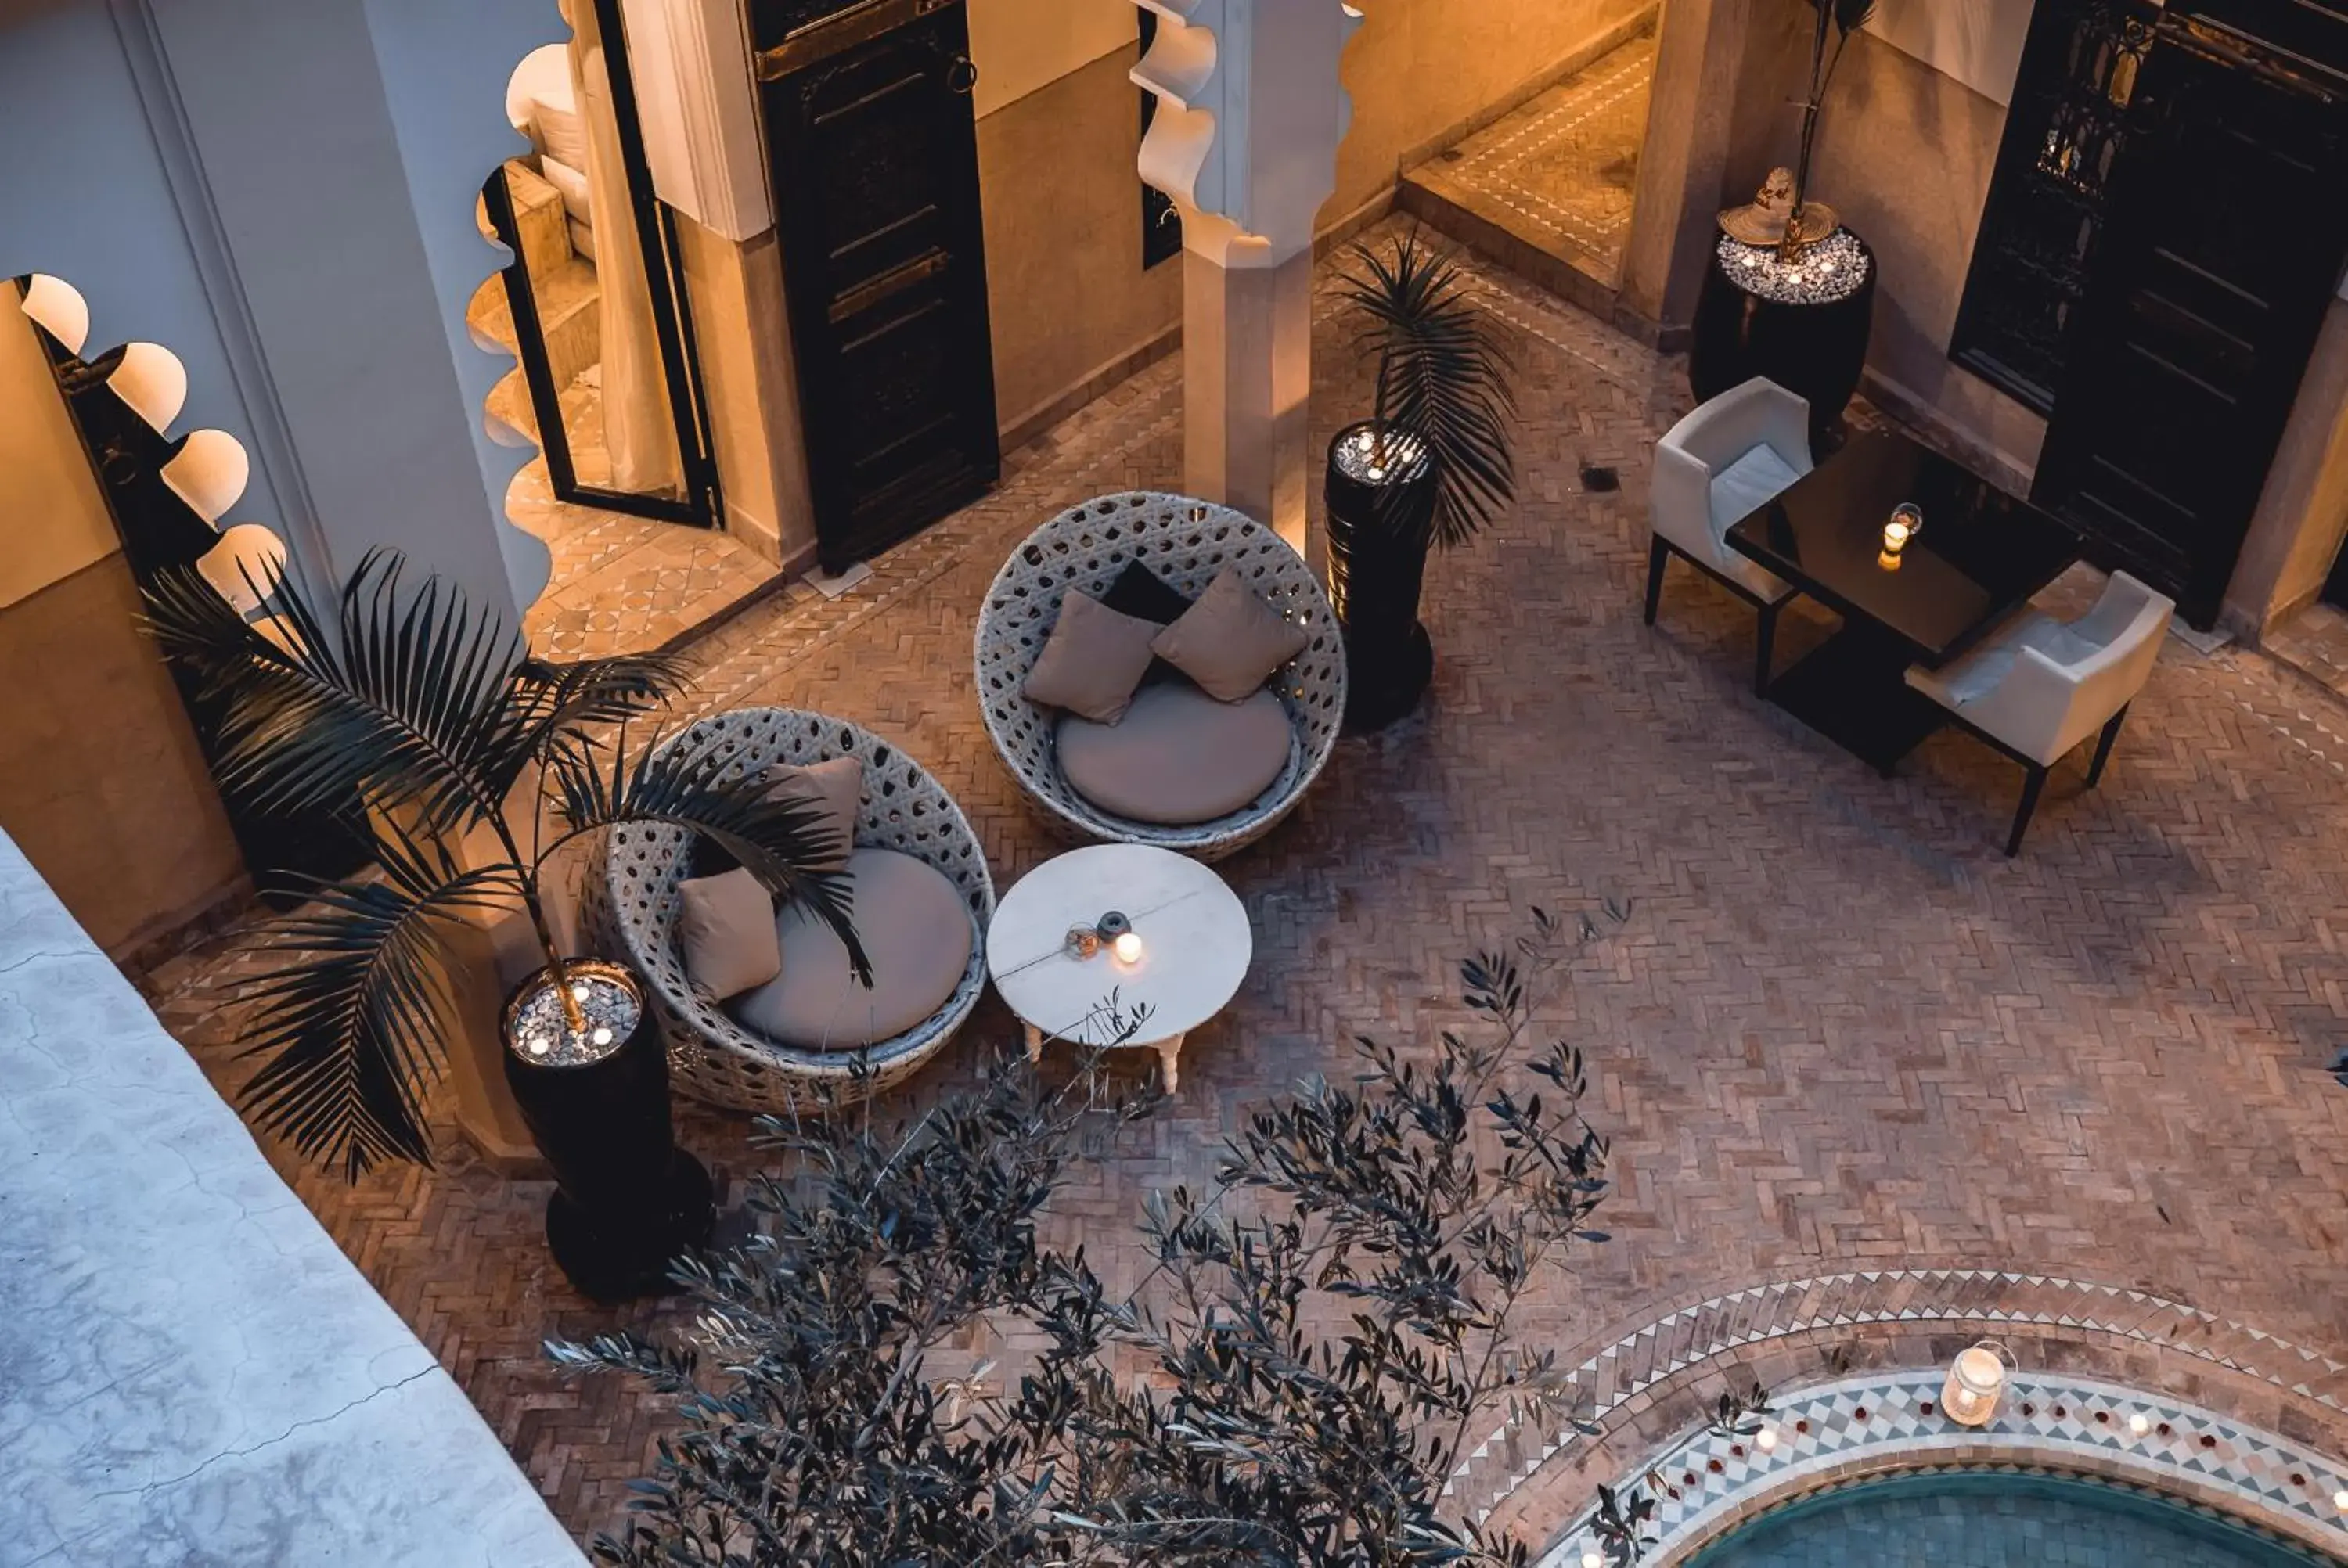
(1442, 378)
(777, 839)
(408, 702)
(559, 703)
(351, 1021)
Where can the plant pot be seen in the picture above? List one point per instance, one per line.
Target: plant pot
(627, 1200)
(1375, 572)
(1810, 341)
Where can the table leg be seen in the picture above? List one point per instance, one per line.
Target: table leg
(1170, 1062)
(1035, 1043)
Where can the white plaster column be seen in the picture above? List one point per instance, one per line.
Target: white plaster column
(1245, 142)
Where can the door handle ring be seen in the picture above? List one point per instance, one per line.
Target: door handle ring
(962, 73)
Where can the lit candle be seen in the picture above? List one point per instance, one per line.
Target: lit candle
(2138, 1424)
(1766, 1438)
(1592, 1558)
(2340, 1501)
(1896, 535)
(1127, 948)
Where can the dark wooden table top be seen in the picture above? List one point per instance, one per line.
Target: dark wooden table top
(1981, 554)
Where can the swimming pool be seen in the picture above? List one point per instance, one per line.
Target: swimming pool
(1996, 1519)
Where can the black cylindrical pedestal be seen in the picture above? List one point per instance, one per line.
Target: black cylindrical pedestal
(627, 1200)
(1374, 574)
(1817, 349)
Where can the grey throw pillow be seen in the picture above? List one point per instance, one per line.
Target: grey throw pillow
(725, 933)
(1231, 642)
(835, 787)
(1092, 661)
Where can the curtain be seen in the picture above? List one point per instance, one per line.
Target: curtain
(639, 431)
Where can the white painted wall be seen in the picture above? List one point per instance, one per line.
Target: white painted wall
(83, 195)
(288, 107)
(334, 149)
(445, 64)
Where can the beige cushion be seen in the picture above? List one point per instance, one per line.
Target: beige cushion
(915, 928)
(1178, 757)
(836, 787)
(1092, 661)
(1231, 641)
(725, 933)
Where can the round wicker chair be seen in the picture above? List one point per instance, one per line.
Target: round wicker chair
(713, 1058)
(1187, 542)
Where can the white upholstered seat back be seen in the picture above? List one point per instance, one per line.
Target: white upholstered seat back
(2047, 702)
(1711, 440)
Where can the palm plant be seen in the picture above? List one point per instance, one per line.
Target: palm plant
(1844, 17)
(1443, 384)
(429, 715)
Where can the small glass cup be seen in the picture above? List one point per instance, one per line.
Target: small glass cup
(1906, 522)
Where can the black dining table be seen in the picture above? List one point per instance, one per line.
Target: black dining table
(1979, 558)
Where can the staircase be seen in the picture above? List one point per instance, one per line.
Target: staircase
(1546, 190)
(568, 296)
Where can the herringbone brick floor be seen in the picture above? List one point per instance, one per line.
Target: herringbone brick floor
(1840, 1030)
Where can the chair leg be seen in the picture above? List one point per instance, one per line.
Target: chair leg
(1765, 643)
(1658, 553)
(2031, 785)
(2104, 746)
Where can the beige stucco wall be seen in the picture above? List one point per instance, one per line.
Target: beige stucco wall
(2302, 513)
(1904, 153)
(1065, 291)
(119, 815)
(1070, 302)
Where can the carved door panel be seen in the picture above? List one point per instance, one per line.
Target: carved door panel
(2224, 238)
(2066, 132)
(873, 156)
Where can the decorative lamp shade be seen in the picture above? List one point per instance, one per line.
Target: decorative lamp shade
(152, 381)
(209, 472)
(242, 565)
(59, 308)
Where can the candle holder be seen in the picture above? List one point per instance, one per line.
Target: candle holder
(1113, 930)
(1976, 1383)
(1907, 520)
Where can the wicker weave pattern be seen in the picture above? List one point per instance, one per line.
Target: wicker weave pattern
(713, 1058)
(1188, 542)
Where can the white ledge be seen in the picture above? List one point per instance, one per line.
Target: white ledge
(190, 1369)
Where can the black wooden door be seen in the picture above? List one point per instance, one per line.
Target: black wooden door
(873, 154)
(2223, 238)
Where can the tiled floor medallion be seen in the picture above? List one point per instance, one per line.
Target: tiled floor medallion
(1889, 1422)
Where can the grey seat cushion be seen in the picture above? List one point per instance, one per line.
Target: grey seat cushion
(915, 928)
(1177, 756)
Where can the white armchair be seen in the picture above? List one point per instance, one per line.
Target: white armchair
(2041, 686)
(1725, 460)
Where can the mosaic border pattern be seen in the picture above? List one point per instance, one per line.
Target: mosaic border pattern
(1890, 1422)
(1719, 1325)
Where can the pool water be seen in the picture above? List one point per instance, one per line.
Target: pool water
(1995, 1520)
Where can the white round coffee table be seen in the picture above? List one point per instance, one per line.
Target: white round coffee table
(1194, 947)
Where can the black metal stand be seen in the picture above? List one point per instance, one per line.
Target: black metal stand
(627, 1200)
(1853, 689)
(1374, 577)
